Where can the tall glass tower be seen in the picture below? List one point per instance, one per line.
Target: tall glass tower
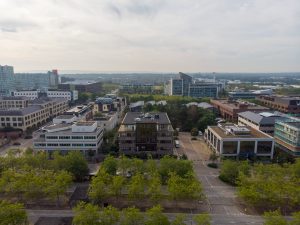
(6, 80)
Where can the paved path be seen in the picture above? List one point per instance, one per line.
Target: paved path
(220, 196)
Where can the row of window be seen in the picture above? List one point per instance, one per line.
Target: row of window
(72, 137)
(65, 145)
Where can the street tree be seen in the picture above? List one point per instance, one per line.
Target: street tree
(86, 214)
(110, 164)
(109, 216)
(274, 218)
(132, 216)
(154, 188)
(179, 220)
(136, 187)
(202, 219)
(117, 185)
(99, 187)
(155, 216)
(12, 214)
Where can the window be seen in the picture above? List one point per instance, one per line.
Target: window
(77, 145)
(64, 137)
(52, 144)
(77, 137)
(89, 137)
(52, 137)
(247, 147)
(87, 145)
(64, 144)
(264, 147)
(230, 147)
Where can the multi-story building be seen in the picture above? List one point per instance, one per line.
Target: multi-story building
(137, 88)
(150, 133)
(85, 137)
(33, 94)
(6, 80)
(29, 81)
(240, 94)
(95, 87)
(13, 102)
(185, 85)
(264, 121)
(136, 106)
(230, 140)
(229, 109)
(33, 115)
(107, 120)
(82, 112)
(287, 135)
(285, 104)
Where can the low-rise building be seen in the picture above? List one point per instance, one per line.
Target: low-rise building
(264, 121)
(107, 120)
(241, 94)
(287, 135)
(285, 104)
(65, 137)
(150, 133)
(230, 140)
(229, 109)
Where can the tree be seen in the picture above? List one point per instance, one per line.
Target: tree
(179, 220)
(99, 187)
(117, 185)
(213, 157)
(109, 216)
(202, 219)
(124, 164)
(296, 219)
(155, 216)
(194, 131)
(230, 170)
(86, 214)
(136, 187)
(77, 165)
(274, 218)
(184, 188)
(12, 214)
(154, 188)
(110, 165)
(132, 216)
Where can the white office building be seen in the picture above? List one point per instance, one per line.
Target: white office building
(64, 137)
(33, 94)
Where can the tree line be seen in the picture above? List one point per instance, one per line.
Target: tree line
(88, 214)
(30, 177)
(267, 187)
(141, 180)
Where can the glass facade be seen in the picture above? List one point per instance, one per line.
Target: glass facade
(230, 147)
(264, 147)
(6, 80)
(247, 147)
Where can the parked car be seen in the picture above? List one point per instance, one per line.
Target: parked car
(16, 143)
(28, 137)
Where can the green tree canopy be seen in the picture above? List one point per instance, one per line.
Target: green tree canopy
(12, 214)
(86, 214)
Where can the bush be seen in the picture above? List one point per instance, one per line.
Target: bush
(230, 171)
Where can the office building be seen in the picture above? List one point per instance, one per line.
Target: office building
(107, 120)
(82, 112)
(137, 88)
(240, 94)
(33, 114)
(136, 106)
(229, 109)
(287, 135)
(142, 134)
(85, 137)
(33, 94)
(264, 121)
(185, 85)
(31, 81)
(233, 141)
(91, 87)
(6, 80)
(285, 104)
(13, 102)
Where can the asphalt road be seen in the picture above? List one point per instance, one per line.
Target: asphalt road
(220, 196)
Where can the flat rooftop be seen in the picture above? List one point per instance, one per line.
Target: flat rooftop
(238, 104)
(252, 133)
(85, 123)
(77, 109)
(62, 117)
(20, 112)
(137, 117)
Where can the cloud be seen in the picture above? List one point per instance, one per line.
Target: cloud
(153, 35)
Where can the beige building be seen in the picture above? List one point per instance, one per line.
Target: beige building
(13, 102)
(231, 140)
(37, 112)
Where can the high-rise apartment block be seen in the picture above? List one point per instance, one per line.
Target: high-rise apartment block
(6, 80)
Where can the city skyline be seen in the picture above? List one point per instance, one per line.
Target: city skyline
(151, 36)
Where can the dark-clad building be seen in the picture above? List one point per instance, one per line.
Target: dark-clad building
(142, 134)
(95, 87)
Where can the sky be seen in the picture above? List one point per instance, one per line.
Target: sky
(151, 35)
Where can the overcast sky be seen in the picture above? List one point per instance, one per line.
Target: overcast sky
(151, 35)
